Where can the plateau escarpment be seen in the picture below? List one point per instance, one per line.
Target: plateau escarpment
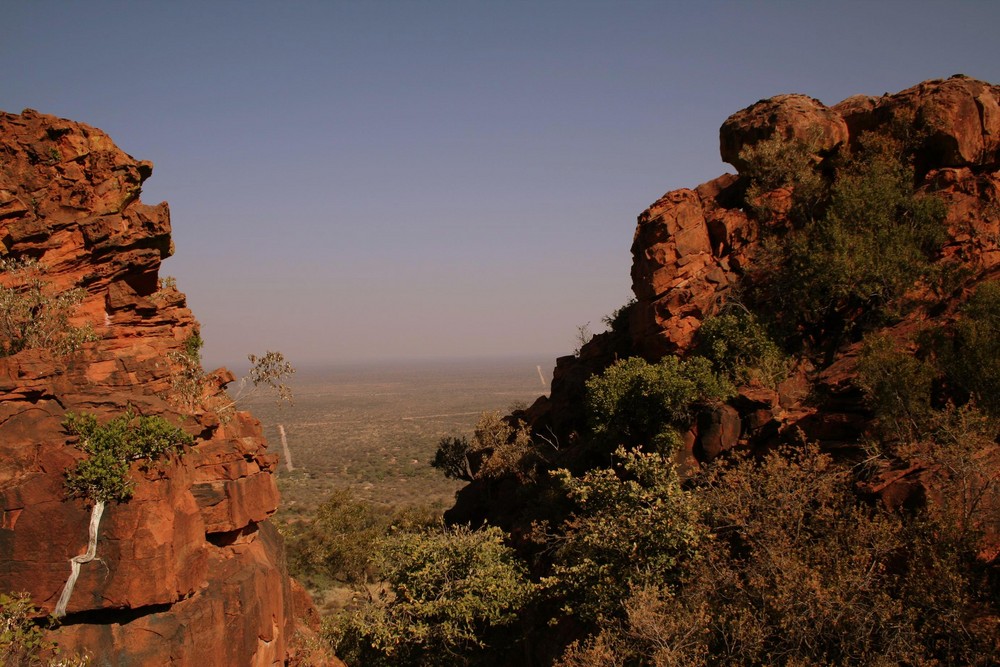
(189, 570)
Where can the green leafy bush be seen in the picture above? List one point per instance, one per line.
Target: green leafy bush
(335, 544)
(112, 447)
(853, 261)
(635, 403)
(22, 640)
(780, 164)
(971, 357)
(897, 387)
(500, 445)
(33, 315)
(794, 571)
(452, 458)
(449, 598)
(629, 526)
(740, 348)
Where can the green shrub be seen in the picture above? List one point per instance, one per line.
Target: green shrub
(635, 403)
(793, 570)
(501, 445)
(630, 526)
(740, 348)
(112, 447)
(778, 163)
(33, 315)
(22, 640)
(850, 265)
(452, 458)
(335, 544)
(618, 321)
(505, 444)
(449, 598)
(897, 387)
(972, 357)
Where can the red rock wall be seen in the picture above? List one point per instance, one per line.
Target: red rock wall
(690, 245)
(189, 572)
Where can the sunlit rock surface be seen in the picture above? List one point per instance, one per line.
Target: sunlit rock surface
(189, 572)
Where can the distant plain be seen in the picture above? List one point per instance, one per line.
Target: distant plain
(373, 428)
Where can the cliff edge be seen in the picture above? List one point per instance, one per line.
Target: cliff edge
(189, 570)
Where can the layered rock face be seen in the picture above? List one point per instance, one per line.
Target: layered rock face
(189, 571)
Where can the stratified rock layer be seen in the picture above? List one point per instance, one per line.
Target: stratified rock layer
(189, 571)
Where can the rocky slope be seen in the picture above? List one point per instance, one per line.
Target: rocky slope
(694, 249)
(189, 571)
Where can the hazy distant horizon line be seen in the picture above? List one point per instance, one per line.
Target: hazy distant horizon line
(543, 358)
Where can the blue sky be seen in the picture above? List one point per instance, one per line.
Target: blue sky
(376, 180)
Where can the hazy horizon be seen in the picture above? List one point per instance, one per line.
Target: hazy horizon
(391, 180)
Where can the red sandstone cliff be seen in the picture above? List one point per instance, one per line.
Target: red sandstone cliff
(691, 246)
(189, 572)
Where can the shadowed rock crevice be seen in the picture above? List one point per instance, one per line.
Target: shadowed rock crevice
(120, 616)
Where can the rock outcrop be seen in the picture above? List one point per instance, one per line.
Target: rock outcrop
(693, 248)
(189, 571)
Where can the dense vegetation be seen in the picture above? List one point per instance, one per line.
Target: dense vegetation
(851, 246)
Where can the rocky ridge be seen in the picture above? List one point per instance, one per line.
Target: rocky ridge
(693, 248)
(189, 571)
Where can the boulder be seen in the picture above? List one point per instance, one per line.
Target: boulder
(790, 117)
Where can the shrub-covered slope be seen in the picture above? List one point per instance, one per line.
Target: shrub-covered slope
(785, 451)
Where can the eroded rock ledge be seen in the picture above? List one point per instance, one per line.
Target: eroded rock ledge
(189, 571)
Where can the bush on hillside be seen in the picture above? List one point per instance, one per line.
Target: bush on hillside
(850, 264)
(449, 597)
(637, 403)
(335, 544)
(796, 571)
(778, 164)
(897, 387)
(740, 348)
(971, 356)
(500, 445)
(630, 526)
(22, 640)
(33, 314)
